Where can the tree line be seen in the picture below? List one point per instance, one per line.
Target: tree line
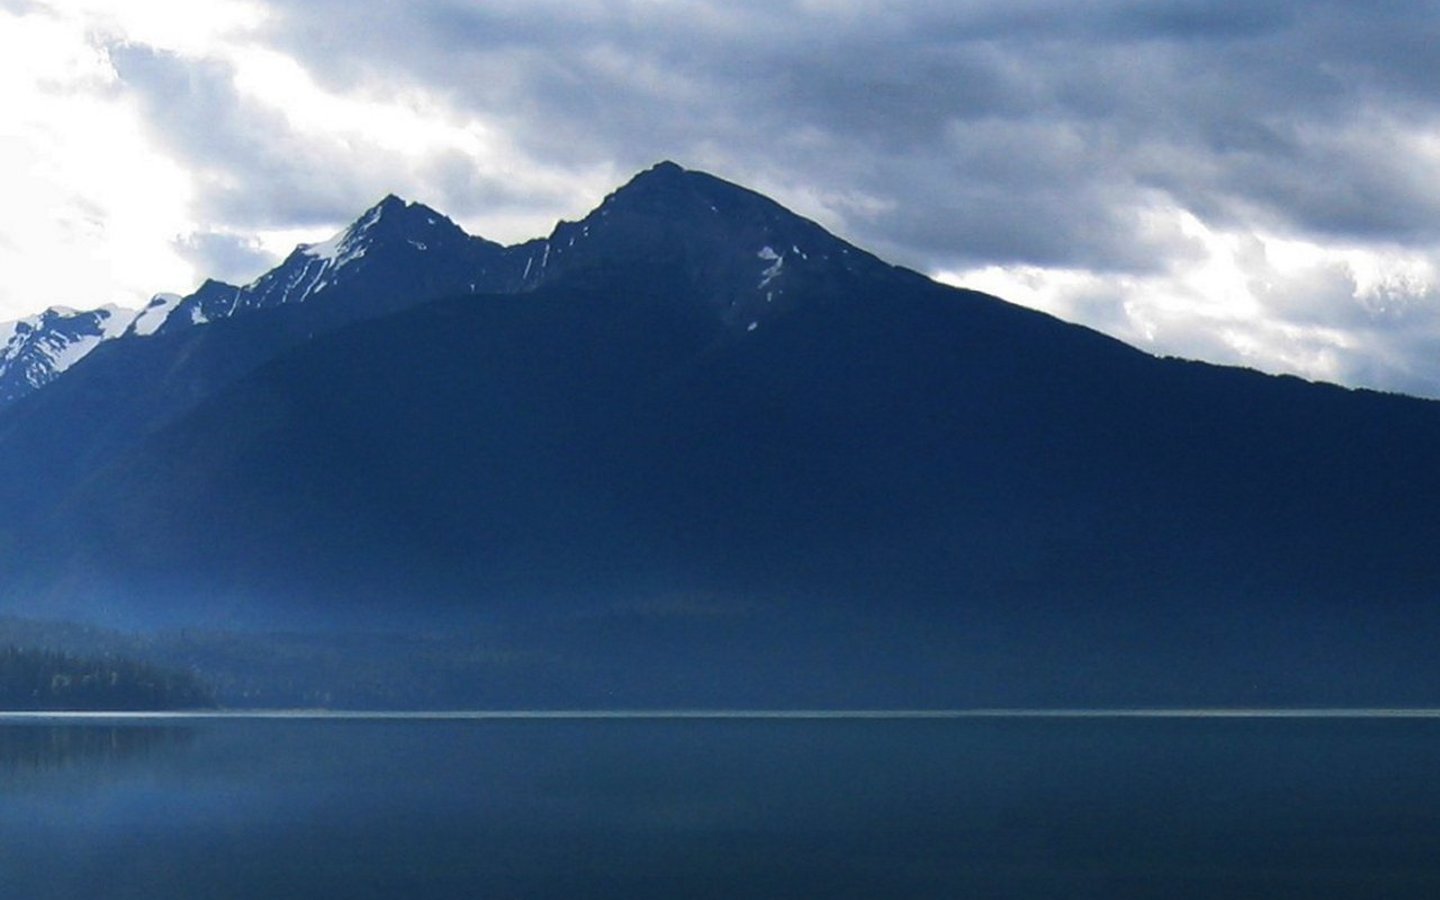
(40, 679)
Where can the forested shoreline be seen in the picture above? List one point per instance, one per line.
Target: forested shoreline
(43, 679)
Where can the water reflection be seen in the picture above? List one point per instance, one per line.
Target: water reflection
(36, 749)
(638, 809)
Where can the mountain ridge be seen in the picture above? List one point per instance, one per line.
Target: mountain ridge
(37, 349)
(309, 269)
(393, 224)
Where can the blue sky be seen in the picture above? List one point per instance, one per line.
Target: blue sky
(1250, 183)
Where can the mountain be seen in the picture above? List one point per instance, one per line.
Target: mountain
(395, 252)
(695, 449)
(152, 366)
(398, 253)
(34, 351)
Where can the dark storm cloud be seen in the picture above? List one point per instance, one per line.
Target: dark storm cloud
(950, 134)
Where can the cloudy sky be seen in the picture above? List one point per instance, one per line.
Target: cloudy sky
(1248, 182)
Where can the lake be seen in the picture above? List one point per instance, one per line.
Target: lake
(948, 807)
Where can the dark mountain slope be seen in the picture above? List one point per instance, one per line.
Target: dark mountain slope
(925, 475)
(394, 256)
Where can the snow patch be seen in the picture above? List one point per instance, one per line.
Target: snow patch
(340, 250)
(776, 261)
(63, 350)
(347, 246)
(149, 319)
(332, 255)
(327, 250)
(115, 321)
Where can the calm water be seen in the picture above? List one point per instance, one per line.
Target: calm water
(634, 809)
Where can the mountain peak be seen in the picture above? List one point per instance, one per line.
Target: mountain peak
(393, 218)
(393, 205)
(744, 254)
(683, 198)
(37, 349)
(394, 210)
(391, 201)
(664, 169)
(669, 186)
(394, 242)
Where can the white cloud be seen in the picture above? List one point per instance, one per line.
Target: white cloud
(398, 133)
(190, 27)
(105, 205)
(1344, 313)
(89, 204)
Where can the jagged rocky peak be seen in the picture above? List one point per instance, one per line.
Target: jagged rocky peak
(738, 250)
(37, 349)
(683, 231)
(388, 240)
(697, 207)
(60, 326)
(392, 219)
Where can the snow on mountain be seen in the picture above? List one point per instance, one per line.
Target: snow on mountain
(350, 244)
(404, 233)
(149, 319)
(747, 251)
(409, 237)
(37, 349)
